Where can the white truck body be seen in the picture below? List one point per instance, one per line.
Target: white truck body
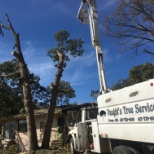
(125, 120)
(129, 113)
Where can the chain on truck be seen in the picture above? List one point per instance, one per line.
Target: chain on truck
(125, 120)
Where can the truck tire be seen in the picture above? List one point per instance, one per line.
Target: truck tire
(71, 147)
(121, 150)
(134, 151)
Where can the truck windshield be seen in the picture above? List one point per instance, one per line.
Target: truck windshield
(92, 113)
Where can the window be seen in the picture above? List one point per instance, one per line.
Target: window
(22, 126)
(72, 117)
(93, 113)
(9, 129)
(42, 126)
(79, 116)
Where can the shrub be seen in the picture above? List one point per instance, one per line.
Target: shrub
(11, 149)
(43, 151)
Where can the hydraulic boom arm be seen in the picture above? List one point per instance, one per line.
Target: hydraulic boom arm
(92, 14)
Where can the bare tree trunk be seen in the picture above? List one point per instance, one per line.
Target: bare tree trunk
(24, 81)
(51, 110)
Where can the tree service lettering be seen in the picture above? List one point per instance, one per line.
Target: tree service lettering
(142, 109)
(130, 110)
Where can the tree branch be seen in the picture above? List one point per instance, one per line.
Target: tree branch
(3, 26)
(132, 24)
(10, 25)
(149, 52)
(11, 74)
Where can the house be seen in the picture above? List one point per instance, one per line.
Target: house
(18, 125)
(14, 128)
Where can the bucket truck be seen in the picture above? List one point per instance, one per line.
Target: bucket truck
(125, 120)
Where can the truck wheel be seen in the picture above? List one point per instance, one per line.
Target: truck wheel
(121, 150)
(134, 151)
(71, 147)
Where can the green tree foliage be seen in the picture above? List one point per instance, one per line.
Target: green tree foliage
(11, 95)
(61, 54)
(65, 47)
(141, 73)
(137, 74)
(65, 93)
(132, 24)
(10, 101)
(121, 84)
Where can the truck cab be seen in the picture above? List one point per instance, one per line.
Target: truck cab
(85, 130)
(125, 120)
(122, 123)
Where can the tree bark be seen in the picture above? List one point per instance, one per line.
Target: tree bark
(51, 110)
(24, 81)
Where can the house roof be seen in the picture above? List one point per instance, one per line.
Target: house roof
(77, 106)
(42, 112)
(37, 113)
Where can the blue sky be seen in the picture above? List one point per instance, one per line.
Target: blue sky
(38, 20)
